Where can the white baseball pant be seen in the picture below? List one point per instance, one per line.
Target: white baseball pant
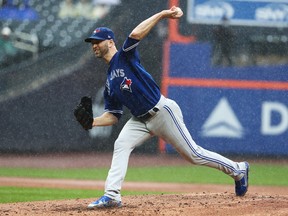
(168, 124)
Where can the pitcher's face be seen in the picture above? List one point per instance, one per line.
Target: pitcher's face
(100, 47)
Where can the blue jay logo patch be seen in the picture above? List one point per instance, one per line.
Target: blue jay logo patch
(126, 85)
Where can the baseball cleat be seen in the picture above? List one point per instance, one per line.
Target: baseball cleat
(105, 202)
(241, 186)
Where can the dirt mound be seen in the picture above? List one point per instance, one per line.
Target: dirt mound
(184, 204)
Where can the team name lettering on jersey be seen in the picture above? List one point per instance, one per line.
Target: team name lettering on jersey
(117, 73)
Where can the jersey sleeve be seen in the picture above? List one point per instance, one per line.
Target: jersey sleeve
(130, 45)
(112, 105)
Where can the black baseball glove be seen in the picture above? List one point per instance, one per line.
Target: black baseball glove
(84, 113)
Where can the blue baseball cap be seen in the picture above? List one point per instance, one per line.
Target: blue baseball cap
(101, 33)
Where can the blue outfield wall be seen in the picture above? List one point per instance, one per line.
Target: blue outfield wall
(240, 120)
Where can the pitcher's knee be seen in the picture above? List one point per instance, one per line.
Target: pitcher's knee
(122, 145)
(192, 158)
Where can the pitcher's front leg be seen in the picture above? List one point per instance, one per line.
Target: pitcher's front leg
(133, 134)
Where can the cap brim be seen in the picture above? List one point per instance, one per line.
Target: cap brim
(93, 38)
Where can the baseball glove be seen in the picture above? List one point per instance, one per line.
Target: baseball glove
(84, 113)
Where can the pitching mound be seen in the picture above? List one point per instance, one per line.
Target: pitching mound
(184, 204)
(259, 200)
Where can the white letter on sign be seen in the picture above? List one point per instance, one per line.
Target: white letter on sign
(266, 127)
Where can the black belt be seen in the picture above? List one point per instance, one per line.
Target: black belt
(148, 115)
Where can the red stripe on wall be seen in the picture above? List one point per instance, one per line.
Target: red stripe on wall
(234, 84)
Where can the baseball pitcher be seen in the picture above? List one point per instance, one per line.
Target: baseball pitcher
(129, 84)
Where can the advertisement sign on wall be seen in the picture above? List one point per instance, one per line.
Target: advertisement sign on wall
(239, 12)
(235, 121)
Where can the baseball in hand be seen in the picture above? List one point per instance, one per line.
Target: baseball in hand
(179, 12)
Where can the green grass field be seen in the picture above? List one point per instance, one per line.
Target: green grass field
(16, 194)
(260, 174)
